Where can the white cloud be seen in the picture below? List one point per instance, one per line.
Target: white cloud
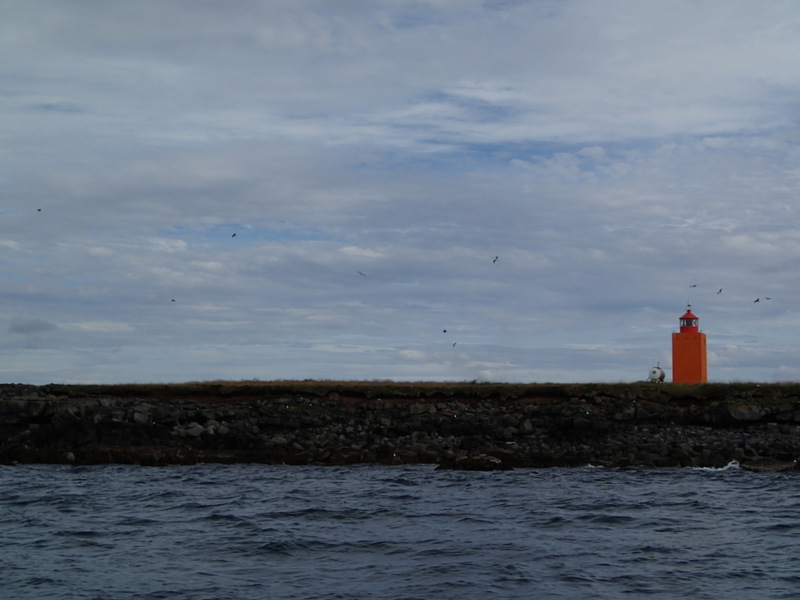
(410, 354)
(99, 326)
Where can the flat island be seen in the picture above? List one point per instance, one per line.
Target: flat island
(479, 426)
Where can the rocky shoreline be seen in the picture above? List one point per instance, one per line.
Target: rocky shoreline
(465, 426)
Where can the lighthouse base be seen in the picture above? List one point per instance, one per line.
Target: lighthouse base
(689, 357)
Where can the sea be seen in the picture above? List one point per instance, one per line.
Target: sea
(226, 532)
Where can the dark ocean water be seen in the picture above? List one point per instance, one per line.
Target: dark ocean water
(255, 532)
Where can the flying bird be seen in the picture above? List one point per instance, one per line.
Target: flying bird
(720, 291)
(234, 235)
(444, 330)
(756, 300)
(454, 344)
(362, 274)
(496, 258)
(38, 210)
(693, 285)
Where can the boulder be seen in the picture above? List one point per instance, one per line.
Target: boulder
(768, 465)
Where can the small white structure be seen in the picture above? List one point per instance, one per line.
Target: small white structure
(656, 375)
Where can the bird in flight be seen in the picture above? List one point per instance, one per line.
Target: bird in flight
(454, 344)
(756, 300)
(362, 274)
(496, 258)
(720, 291)
(693, 285)
(234, 235)
(444, 331)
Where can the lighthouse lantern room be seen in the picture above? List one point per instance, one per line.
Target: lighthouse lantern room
(689, 351)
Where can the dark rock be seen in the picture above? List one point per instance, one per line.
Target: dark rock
(480, 462)
(768, 465)
(475, 429)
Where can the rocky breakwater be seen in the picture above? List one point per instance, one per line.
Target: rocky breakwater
(469, 426)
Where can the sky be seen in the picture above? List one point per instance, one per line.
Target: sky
(438, 190)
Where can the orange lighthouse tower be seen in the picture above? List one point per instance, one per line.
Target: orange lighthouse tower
(689, 351)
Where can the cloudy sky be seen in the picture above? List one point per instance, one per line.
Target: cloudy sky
(289, 189)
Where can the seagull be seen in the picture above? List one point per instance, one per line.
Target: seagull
(234, 235)
(756, 300)
(765, 298)
(362, 274)
(444, 331)
(38, 210)
(720, 291)
(693, 285)
(173, 299)
(454, 344)
(496, 258)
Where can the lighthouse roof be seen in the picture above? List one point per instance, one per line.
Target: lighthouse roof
(689, 315)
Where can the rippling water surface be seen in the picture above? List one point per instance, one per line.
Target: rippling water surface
(253, 531)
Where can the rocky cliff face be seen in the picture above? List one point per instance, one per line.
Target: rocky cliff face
(475, 426)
